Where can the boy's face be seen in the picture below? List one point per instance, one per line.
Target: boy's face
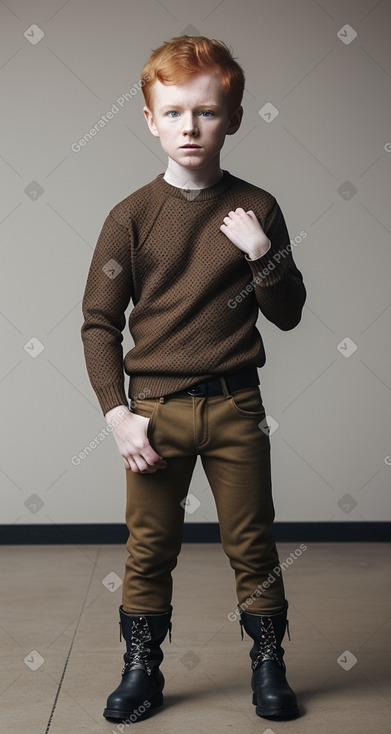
(192, 113)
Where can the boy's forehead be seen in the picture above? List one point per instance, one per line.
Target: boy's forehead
(199, 89)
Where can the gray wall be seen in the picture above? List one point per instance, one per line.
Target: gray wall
(326, 157)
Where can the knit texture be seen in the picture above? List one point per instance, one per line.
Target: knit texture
(196, 296)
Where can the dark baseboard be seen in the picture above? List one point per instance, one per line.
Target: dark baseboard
(203, 532)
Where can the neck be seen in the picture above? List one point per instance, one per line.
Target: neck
(183, 178)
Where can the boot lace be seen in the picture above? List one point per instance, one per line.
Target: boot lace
(267, 644)
(137, 653)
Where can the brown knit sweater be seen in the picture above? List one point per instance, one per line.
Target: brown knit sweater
(196, 296)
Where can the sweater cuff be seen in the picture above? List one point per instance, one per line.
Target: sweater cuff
(268, 269)
(111, 396)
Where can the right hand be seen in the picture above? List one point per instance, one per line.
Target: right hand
(130, 433)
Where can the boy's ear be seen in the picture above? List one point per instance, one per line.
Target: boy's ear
(234, 121)
(148, 114)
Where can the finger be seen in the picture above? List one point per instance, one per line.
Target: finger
(152, 468)
(133, 466)
(139, 464)
(149, 462)
(151, 456)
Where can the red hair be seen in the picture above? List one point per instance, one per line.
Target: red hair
(178, 59)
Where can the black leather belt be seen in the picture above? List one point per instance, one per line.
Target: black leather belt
(245, 377)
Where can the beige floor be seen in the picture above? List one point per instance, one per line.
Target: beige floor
(54, 607)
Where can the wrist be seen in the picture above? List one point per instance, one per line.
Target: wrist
(117, 413)
(260, 251)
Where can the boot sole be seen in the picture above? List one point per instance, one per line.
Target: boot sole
(155, 701)
(292, 712)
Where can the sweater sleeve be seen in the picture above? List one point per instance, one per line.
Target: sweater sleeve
(278, 284)
(107, 294)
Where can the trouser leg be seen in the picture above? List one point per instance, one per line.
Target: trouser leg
(236, 460)
(155, 515)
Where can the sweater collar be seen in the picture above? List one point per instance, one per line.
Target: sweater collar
(193, 195)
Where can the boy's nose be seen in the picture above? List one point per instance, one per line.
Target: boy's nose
(190, 125)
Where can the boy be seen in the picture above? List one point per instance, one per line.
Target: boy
(199, 251)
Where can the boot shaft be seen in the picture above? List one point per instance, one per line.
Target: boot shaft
(267, 632)
(143, 634)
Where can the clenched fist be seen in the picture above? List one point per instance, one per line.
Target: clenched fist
(245, 231)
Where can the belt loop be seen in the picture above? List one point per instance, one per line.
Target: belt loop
(224, 386)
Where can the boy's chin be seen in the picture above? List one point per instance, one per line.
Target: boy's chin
(195, 161)
(193, 164)
(190, 165)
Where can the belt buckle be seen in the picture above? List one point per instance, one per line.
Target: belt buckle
(195, 391)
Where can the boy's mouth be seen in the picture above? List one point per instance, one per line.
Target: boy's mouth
(190, 145)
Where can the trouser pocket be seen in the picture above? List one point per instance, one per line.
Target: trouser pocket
(248, 402)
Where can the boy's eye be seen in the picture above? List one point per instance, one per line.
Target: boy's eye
(204, 113)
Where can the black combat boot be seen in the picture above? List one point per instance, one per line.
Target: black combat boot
(272, 696)
(142, 682)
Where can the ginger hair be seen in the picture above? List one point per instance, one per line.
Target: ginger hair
(183, 56)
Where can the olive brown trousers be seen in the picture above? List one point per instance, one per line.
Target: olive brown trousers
(228, 432)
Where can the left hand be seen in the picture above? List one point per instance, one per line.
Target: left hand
(244, 231)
